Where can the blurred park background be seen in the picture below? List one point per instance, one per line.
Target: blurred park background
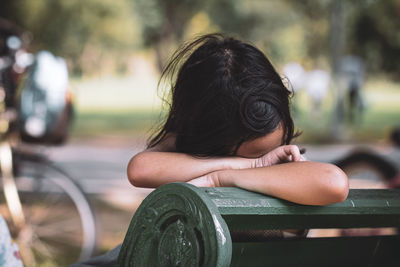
(116, 50)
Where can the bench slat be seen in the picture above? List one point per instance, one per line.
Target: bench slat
(243, 210)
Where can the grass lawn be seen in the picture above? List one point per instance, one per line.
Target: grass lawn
(113, 123)
(121, 106)
(125, 106)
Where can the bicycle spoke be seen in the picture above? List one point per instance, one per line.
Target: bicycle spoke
(45, 215)
(64, 242)
(44, 249)
(57, 222)
(37, 214)
(58, 228)
(27, 254)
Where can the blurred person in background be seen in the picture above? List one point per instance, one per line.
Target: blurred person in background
(351, 79)
(296, 76)
(317, 86)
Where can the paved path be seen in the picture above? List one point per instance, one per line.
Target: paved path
(100, 165)
(97, 166)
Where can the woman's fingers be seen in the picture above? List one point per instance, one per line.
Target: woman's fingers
(302, 158)
(288, 153)
(295, 152)
(282, 154)
(208, 180)
(201, 182)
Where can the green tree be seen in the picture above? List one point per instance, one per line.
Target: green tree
(375, 35)
(74, 29)
(164, 21)
(369, 30)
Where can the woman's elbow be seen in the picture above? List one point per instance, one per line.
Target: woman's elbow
(337, 185)
(136, 171)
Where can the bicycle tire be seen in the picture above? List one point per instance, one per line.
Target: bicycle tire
(45, 187)
(364, 162)
(368, 161)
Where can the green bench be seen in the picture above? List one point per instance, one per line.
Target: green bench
(181, 225)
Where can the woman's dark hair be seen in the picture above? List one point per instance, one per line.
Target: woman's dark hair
(224, 92)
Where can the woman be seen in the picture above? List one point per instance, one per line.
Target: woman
(229, 124)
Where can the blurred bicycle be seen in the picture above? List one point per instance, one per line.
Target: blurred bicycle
(368, 168)
(48, 214)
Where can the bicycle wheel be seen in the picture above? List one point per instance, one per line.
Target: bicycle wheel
(367, 169)
(60, 224)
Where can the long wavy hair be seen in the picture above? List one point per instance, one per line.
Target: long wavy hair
(223, 92)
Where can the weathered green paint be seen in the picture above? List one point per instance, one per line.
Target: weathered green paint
(181, 225)
(176, 225)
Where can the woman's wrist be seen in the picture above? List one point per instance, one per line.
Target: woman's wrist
(223, 178)
(237, 163)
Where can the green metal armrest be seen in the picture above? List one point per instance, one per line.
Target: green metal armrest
(181, 225)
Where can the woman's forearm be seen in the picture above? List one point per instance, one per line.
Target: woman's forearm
(309, 183)
(152, 169)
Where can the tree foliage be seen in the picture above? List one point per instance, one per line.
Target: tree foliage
(74, 29)
(164, 22)
(371, 30)
(375, 35)
(94, 34)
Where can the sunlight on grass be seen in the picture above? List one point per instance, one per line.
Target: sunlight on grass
(115, 105)
(114, 94)
(129, 105)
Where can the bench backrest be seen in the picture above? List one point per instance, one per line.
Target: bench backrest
(182, 225)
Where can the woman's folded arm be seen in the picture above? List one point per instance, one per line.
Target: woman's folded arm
(309, 183)
(152, 168)
(304, 182)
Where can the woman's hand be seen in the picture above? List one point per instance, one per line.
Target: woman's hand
(282, 154)
(208, 180)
